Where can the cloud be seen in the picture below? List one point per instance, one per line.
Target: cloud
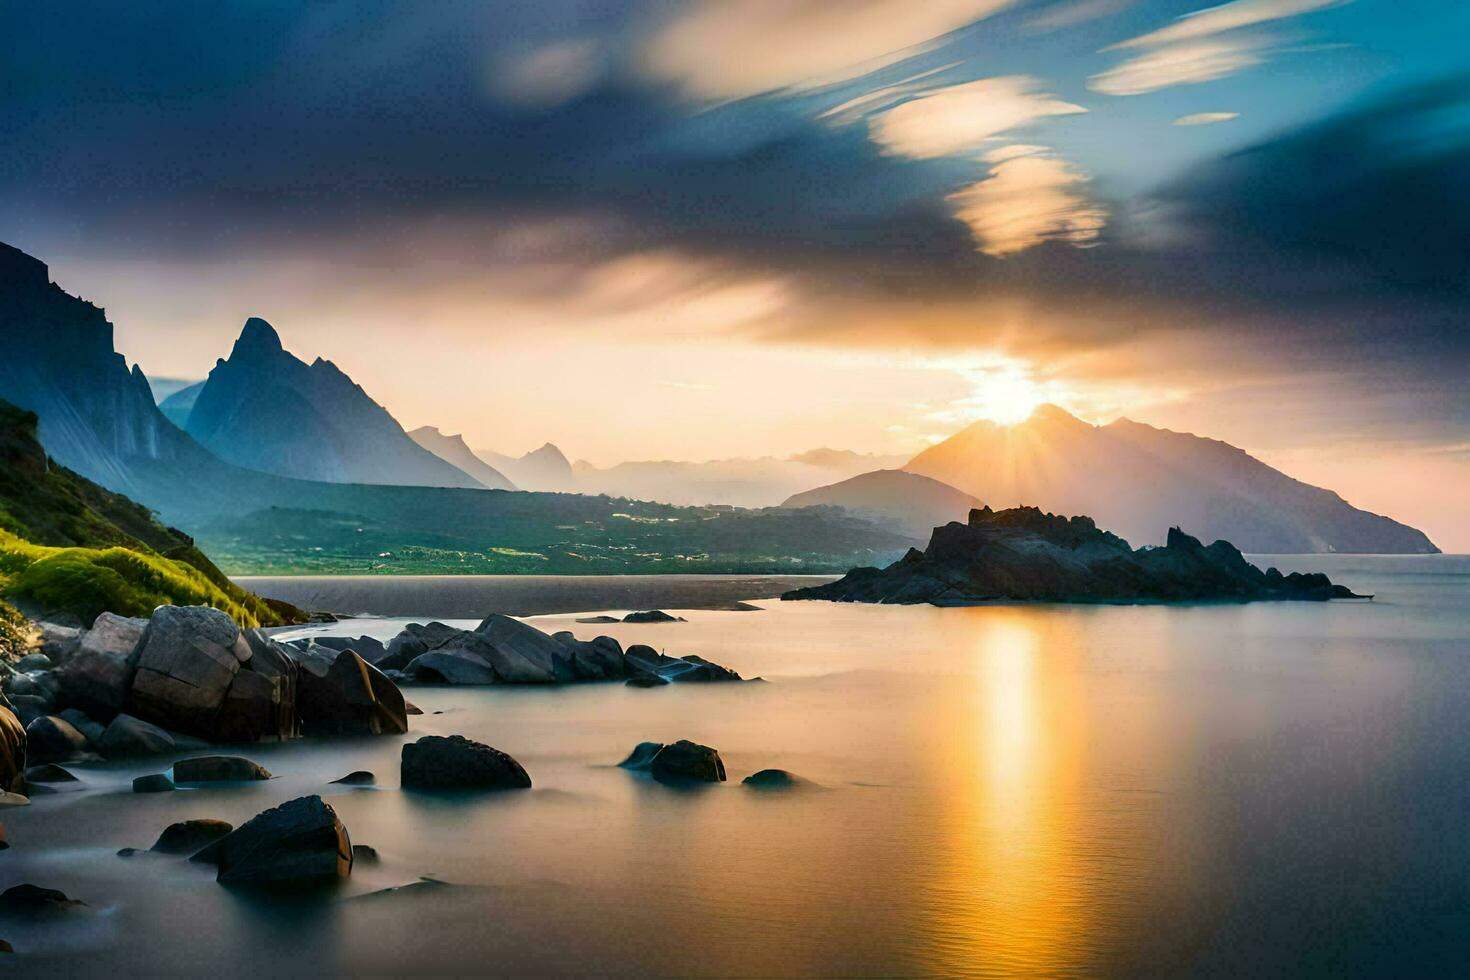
(1226, 17)
(1180, 64)
(730, 49)
(1025, 201)
(1070, 13)
(957, 118)
(1205, 118)
(551, 74)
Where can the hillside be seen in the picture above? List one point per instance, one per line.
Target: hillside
(907, 502)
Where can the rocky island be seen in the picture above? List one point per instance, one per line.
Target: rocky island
(1026, 554)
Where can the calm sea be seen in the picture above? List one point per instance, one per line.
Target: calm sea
(1007, 790)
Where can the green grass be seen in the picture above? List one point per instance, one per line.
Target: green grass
(15, 632)
(89, 581)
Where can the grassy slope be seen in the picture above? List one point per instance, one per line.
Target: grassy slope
(67, 544)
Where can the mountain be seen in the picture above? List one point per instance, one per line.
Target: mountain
(907, 502)
(1026, 555)
(545, 469)
(179, 403)
(762, 482)
(68, 545)
(163, 388)
(265, 409)
(452, 450)
(1135, 479)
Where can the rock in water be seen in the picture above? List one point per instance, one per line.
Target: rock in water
(523, 654)
(153, 783)
(1024, 554)
(642, 756)
(364, 854)
(218, 769)
(297, 842)
(129, 736)
(685, 761)
(652, 616)
(31, 901)
(188, 836)
(261, 703)
(349, 697)
(455, 762)
(49, 773)
(186, 661)
(12, 751)
(359, 778)
(53, 739)
(774, 779)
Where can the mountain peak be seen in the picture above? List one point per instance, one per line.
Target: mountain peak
(258, 336)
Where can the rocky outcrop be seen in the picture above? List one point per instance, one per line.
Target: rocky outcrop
(678, 762)
(436, 762)
(1024, 554)
(652, 616)
(53, 739)
(348, 696)
(298, 842)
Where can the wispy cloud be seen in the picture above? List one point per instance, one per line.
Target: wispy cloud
(958, 118)
(1226, 17)
(549, 75)
(730, 49)
(1070, 13)
(1025, 201)
(1205, 118)
(1179, 64)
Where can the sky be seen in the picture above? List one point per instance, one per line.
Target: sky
(721, 228)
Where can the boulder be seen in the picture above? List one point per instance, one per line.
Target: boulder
(188, 836)
(523, 654)
(129, 736)
(364, 854)
(350, 697)
(774, 779)
(295, 843)
(185, 663)
(600, 659)
(599, 620)
(415, 640)
(455, 762)
(53, 739)
(410, 708)
(49, 773)
(359, 778)
(218, 769)
(260, 705)
(699, 670)
(156, 782)
(685, 761)
(113, 634)
(368, 648)
(456, 664)
(29, 707)
(31, 901)
(95, 681)
(59, 641)
(33, 661)
(83, 723)
(652, 616)
(642, 755)
(644, 679)
(37, 683)
(12, 751)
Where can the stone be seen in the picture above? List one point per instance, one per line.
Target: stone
(359, 778)
(685, 761)
(600, 659)
(83, 723)
(364, 854)
(156, 782)
(128, 736)
(652, 616)
(456, 665)
(113, 634)
(260, 705)
(642, 755)
(188, 836)
(522, 654)
(351, 697)
(29, 707)
(33, 661)
(368, 648)
(185, 663)
(31, 901)
(410, 708)
(127, 852)
(38, 683)
(12, 751)
(774, 779)
(49, 773)
(218, 769)
(53, 739)
(599, 620)
(644, 679)
(298, 842)
(95, 681)
(59, 641)
(455, 762)
(415, 640)
(14, 799)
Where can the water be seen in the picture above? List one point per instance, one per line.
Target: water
(1042, 790)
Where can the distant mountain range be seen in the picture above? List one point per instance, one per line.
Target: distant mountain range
(540, 469)
(453, 450)
(762, 482)
(1135, 479)
(265, 409)
(908, 502)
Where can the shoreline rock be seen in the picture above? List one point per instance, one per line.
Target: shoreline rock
(453, 762)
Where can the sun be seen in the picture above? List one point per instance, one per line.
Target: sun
(1006, 399)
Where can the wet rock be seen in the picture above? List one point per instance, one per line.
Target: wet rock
(774, 779)
(686, 761)
(49, 773)
(53, 739)
(153, 783)
(642, 755)
(523, 654)
(652, 616)
(696, 669)
(188, 836)
(599, 620)
(95, 681)
(350, 697)
(33, 661)
(364, 854)
(600, 659)
(29, 707)
(12, 750)
(128, 736)
(218, 769)
(644, 679)
(31, 901)
(458, 665)
(297, 842)
(84, 724)
(359, 778)
(186, 661)
(455, 762)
